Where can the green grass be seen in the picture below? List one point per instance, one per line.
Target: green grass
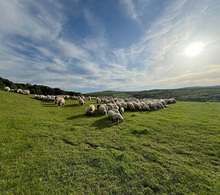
(46, 149)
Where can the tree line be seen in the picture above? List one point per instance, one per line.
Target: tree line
(35, 89)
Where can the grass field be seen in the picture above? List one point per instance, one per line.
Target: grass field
(46, 149)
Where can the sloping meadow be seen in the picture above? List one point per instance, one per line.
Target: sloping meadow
(50, 149)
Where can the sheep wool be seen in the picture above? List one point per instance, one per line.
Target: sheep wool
(7, 89)
(110, 114)
(60, 101)
(81, 101)
(102, 109)
(121, 110)
(116, 117)
(90, 110)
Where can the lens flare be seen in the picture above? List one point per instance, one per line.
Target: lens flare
(194, 49)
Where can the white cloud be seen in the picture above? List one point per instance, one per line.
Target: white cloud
(34, 47)
(135, 10)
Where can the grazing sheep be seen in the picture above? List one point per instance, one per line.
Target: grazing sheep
(110, 113)
(20, 91)
(26, 92)
(7, 89)
(159, 106)
(81, 101)
(116, 117)
(116, 110)
(98, 100)
(130, 106)
(60, 101)
(110, 106)
(145, 106)
(102, 109)
(90, 110)
(124, 105)
(121, 110)
(137, 106)
(152, 106)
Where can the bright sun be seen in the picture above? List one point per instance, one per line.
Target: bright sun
(194, 49)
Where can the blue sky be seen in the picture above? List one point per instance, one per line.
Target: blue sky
(96, 45)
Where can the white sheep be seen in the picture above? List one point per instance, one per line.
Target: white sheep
(7, 89)
(90, 110)
(20, 91)
(81, 101)
(116, 117)
(130, 106)
(124, 105)
(110, 113)
(137, 106)
(98, 100)
(26, 92)
(102, 109)
(60, 101)
(121, 110)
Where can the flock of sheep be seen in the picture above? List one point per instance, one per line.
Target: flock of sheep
(114, 108)
(21, 91)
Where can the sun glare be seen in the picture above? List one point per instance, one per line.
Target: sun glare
(194, 49)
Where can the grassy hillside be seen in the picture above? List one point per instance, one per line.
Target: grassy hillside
(46, 149)
(200, 94)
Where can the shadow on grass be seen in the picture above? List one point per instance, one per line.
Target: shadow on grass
(51, 104)
(96, 115)
(72, 105)
(76, 116)
(103, 123)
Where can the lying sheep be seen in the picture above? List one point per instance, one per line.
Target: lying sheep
(90, 110)
(116, 117)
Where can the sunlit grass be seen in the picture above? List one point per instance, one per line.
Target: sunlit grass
(46, 149)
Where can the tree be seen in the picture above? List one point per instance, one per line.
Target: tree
(2, 85)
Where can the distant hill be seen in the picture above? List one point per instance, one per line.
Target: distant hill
(199, 94)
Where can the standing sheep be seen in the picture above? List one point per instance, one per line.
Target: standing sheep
(60, 101)
(130, 106)
(116, 117)
(7, 89)
(102, 109)
(26, 92)
(90, 110)
(98, 100)
(121, 110)
(81, 101)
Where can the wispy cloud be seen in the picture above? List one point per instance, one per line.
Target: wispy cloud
(39, 43)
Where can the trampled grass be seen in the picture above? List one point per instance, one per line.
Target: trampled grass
(46, 149)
